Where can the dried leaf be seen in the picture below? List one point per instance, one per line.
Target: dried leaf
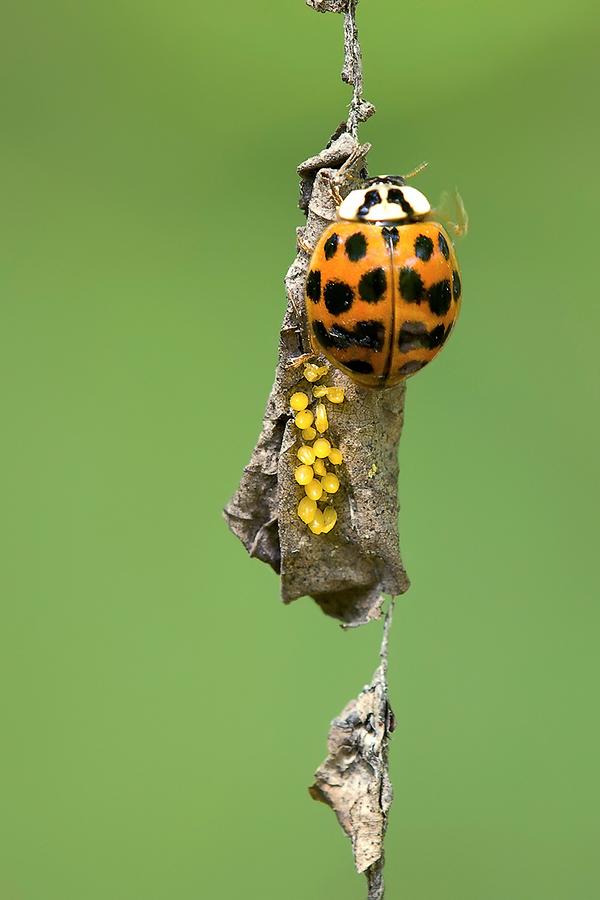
(348, 570)
(354, 779)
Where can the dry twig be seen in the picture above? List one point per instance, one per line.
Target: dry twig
(348, 570)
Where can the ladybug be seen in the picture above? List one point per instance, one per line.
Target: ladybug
(383, 288)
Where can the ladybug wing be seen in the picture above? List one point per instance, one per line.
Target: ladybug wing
(452, 213)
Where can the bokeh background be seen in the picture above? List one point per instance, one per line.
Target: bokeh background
(162, 711)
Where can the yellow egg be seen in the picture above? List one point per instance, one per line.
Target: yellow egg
(303, 474)
(299, 401)
(307, 509)
(335, 456)
(304, 419)
(320, 391)
(331, 483)
(309, 434)
(314, 489)
(335, 394)
(329, 519)
(318, 522)
(321, 447)
(313, 372)
(319, 467)
(321, 420)
(306, 455)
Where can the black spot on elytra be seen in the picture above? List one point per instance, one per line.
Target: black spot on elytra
(372, 285)
(437, 336)
(414, 336)
(423, 247)
(390, 235)
(443, 245)
(368, 334)
(372, 198)
(440, 297)
(456, 285)
(359, 365)
(411, 285)
(395, 195)
(331, 245)
(413, 366)
(356, 246)
(338, 297)
(313, 285)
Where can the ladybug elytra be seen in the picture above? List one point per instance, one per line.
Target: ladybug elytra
(383, 289)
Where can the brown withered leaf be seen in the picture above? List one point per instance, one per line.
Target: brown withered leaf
(350, 569)
(354, 779)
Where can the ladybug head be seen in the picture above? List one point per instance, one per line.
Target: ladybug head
(384, 199)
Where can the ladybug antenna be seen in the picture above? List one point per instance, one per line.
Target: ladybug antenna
(416, 171)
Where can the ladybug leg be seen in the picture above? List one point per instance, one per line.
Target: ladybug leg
(335, 190)
(302, 245)
(301, 360)
(344, 174)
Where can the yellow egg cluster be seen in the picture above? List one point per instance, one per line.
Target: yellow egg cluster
(311, 473)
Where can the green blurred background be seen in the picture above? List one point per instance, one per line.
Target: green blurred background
(162, 712)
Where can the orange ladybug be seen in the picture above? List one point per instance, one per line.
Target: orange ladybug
(383, 289)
